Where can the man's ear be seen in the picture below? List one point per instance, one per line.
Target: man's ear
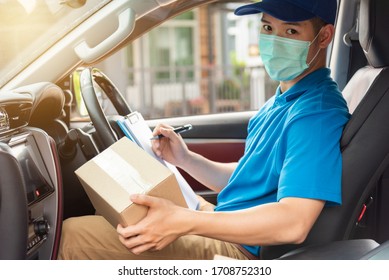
(326, 35)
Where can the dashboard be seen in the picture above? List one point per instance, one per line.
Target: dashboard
(30, 178)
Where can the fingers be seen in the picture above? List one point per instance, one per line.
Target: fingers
(136, 244)
(158, 145)
(139, 243)
(161, 129)
(127, 232)
(139, 228)
(167, 131)
(144, 200)
(131, 237)
(148, 233)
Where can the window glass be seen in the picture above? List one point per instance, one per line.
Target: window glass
(160, 53)
(29, 27)
(201, 62)
(130, 63)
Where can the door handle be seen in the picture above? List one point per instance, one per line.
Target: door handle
(126, 25)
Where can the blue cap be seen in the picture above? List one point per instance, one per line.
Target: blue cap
(293, 10)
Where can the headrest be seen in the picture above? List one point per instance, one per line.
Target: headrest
(48, 103)
(373, 31)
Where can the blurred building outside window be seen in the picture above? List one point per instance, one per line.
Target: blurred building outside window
(203, 61)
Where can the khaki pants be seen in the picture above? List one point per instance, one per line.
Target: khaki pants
(92, 237)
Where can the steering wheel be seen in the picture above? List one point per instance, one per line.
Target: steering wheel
(103, 128)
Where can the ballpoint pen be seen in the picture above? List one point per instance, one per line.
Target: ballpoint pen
(179, 129)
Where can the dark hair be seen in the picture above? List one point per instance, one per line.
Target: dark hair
(317, 24)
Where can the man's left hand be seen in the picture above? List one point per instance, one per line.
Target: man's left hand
(163, 224)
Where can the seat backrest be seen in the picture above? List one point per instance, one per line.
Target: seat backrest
(365, 139)
(13, 208)
(47, 111)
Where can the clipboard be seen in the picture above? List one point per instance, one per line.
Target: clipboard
(136, 129)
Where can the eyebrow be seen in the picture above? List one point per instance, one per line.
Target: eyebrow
(284, 23)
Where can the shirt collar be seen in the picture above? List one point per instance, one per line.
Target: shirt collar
(303, 85)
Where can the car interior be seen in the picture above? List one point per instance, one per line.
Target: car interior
(40, 148)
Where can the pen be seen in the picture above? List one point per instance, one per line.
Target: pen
(179, 129)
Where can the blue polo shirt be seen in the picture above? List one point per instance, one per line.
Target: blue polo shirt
(292, 148)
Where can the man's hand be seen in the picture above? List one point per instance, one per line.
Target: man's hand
(164, 223)
(171, 147)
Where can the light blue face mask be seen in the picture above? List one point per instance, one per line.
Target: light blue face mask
(284, 58)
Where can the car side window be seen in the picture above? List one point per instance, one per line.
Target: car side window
(200, 62)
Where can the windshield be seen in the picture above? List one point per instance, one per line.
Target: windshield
(29, 27)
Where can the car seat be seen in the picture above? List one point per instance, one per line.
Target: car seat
(365, 139)
(13, 208)
(47, 110)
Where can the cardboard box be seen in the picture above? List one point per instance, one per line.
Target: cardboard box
(121, 170)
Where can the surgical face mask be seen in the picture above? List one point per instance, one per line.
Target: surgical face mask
(284, 58)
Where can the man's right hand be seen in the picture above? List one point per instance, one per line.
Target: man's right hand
(171, 147)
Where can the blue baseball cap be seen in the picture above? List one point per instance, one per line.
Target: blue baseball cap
(293, 10)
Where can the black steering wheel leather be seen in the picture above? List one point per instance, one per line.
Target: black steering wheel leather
(102, 126)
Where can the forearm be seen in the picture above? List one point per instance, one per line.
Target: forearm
(214, 175)
(287, 221)
(271, 224)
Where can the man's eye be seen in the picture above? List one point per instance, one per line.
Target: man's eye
(291, 31)
(267, 28)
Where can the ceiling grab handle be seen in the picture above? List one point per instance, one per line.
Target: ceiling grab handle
(126, 25)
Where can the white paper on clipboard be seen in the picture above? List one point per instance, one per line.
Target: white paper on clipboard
(135, 128)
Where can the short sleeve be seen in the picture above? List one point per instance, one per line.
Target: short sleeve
(311, 164)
